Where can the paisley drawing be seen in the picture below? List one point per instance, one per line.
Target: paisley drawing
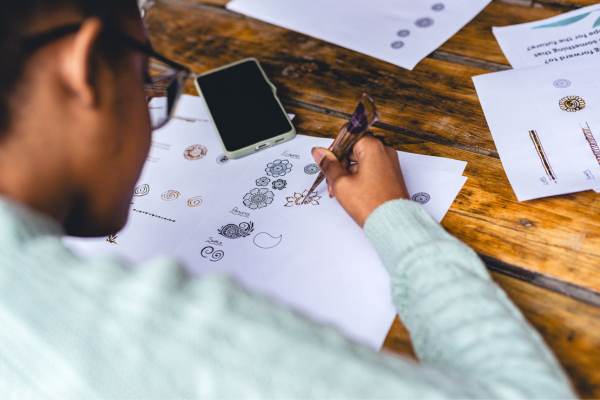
(170, 195)
(209, 251)
(297, 199)
(258, 198)
(233, 231)
(195, 152)
(422, 197)
(587, 132)
(533, 135)
(278, 168)
(194, 201)
(141, 190)
(571, 103)
(266, 241)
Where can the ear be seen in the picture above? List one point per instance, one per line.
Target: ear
(78, 62)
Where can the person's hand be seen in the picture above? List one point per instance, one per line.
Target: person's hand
(362, 187)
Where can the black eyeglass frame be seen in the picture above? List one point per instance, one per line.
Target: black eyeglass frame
(36, 42)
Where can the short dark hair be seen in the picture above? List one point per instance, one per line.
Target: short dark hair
(16, 21)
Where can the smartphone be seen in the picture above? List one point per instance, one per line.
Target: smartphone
(244, 108)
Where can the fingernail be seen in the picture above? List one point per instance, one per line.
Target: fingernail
(318, 154)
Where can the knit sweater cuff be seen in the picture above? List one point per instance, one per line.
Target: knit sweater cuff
(398, 226)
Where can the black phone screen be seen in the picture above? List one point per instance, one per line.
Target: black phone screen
(243, 105)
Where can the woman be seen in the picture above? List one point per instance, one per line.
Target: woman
(74, 133)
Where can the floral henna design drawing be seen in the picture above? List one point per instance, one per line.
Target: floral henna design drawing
(296, 199)
(258, 198)
(264, 181)
(278, 168)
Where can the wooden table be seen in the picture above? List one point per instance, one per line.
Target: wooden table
(545, 253)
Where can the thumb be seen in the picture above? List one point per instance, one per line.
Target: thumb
(330, 166)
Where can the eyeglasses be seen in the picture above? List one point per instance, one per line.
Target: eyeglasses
(163, 83)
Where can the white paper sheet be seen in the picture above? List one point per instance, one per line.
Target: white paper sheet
(566, 156)
(573, 35)
(323, 266)
(401, 32)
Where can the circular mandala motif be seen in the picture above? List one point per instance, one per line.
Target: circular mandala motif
(279, 184)
(195, 152)
(562, 83)
(311, 169)
(571, 103)
(170, 195)
(222, 159)
(422, 198)
(278, 168)
(424, 22)
(264, 181)
(403, 32)
(141, 190)
(258, 198)
(398, 44)
(437, 7)
(194, 201)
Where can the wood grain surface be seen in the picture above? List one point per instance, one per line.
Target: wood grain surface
(551, 243)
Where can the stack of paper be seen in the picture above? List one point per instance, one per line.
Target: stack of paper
(401, 32)
(244, 218)
(544, 116)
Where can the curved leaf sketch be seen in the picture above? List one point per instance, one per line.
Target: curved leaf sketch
(564, 22)
(596, 23)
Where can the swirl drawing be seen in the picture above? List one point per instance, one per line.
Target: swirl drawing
(311, 169)
(258, 198)
(141, 190)
(298, 199)
(194, 201)
(424, 22)
(233, 231)
(278, 168)
(195, 152)
(264, 181)
(279, 184)
(561, 83)
(571, 103)
(170, 195)
(266, 241)
(209, 251)
(422, 198)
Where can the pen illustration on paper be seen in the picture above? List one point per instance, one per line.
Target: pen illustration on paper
(587, 132)
(235, 211)
(194, 201)
(209, 251)
(437, 7)
(266, 241)
(141, 190)
(571, 103)
(258, 198)
(561, 83)
(170, 195)
(214, 242)
(424, 22)
(264, 181)
(311, 169)
(279, 184)
(278, 168)
(296, 199)
(422, 197)
(112, 239)
(195, 152)
(233, 231)
(542, 154)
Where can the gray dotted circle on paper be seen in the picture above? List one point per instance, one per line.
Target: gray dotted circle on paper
(437, 7)
(398, 45)
(424, 22)
(403, 33)
(421, 197)
(562, 83)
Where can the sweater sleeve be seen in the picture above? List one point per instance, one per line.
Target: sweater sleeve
(460, 321)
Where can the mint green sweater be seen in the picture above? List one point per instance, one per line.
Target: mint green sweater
(73, 329)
